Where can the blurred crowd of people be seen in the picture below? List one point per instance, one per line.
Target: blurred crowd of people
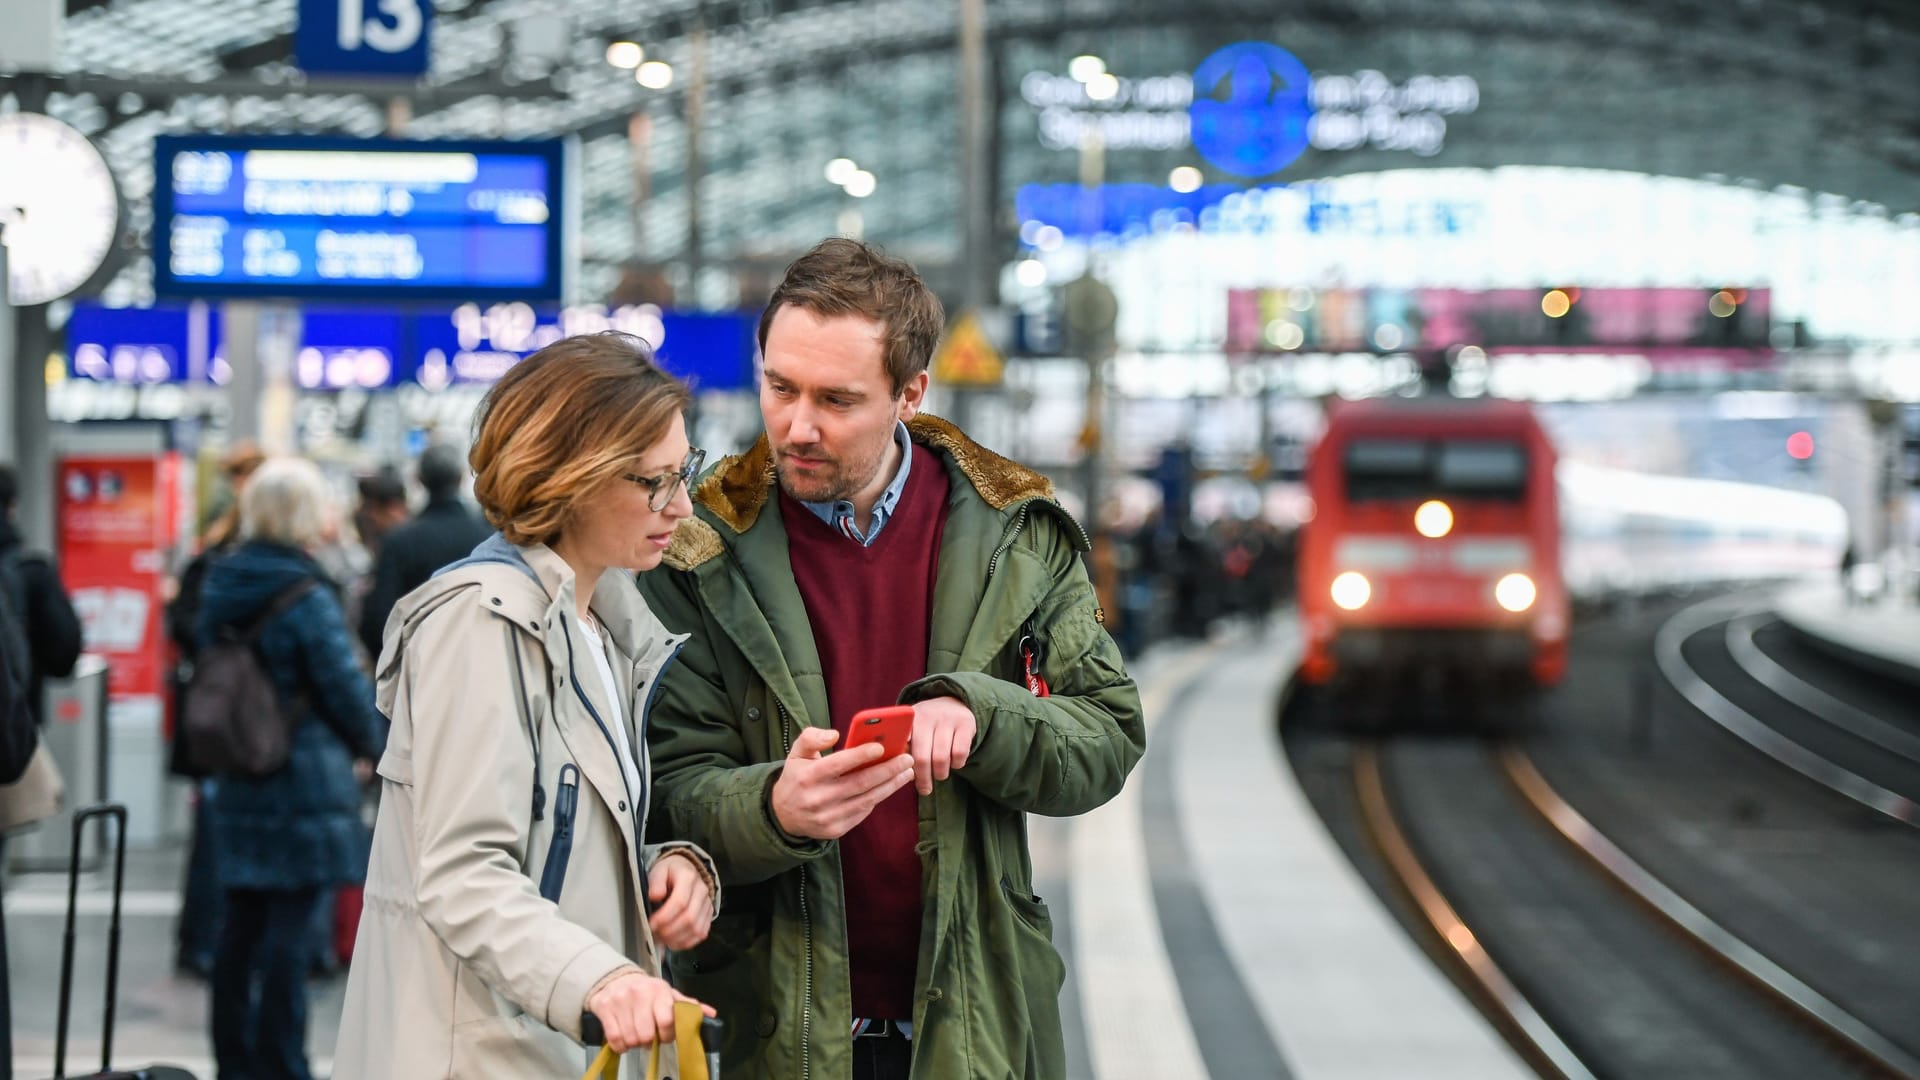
(272, 890)
(1162, 580)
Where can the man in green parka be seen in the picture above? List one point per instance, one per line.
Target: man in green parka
(880, 917)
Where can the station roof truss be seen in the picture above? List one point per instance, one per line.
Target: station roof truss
(1761, 93)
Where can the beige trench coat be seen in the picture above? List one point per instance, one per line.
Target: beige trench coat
(461, 968)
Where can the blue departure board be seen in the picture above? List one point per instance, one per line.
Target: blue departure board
(318, 218)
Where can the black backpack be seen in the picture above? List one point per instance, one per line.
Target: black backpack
(14, 642)
(232, 721)
(19, 735)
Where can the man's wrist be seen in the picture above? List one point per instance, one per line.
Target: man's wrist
(773, 817)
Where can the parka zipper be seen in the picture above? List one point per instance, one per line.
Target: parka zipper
(1013, 533)
(1020, 522)
(806, 934)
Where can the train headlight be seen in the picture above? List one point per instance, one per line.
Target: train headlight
(1351, 591)
(1433, 520)
(1515, 592)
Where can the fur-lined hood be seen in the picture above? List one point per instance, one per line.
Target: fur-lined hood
(736, 490)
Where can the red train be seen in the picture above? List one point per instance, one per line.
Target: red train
(1434, 546)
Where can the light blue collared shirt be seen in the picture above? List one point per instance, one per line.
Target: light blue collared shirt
(839, 514)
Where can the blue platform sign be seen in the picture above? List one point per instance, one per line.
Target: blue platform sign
(142, 345)
(711, 351)
(363, 37)
(476, 345)
(324, 218)
(354, 348)
(378, 347)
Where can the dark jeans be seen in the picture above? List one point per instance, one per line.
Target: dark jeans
(888, 1057)
(260, 984)
(202, 898)
(6, 982)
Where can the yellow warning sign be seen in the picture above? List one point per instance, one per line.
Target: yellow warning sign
(965, 356)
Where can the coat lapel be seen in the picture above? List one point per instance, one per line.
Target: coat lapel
(579, 693)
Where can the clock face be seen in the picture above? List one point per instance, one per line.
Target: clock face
(58, 205)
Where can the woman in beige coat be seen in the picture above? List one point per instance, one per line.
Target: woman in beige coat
(510, 886)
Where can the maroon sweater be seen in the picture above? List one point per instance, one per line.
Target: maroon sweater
(871, 609)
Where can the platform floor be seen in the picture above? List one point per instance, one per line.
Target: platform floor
(1211, 926)
(1883, 635)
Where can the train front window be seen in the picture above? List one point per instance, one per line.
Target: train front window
(1393, 469)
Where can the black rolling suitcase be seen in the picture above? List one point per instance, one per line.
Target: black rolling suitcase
(107, 1071)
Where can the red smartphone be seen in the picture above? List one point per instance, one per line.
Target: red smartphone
(889, 727)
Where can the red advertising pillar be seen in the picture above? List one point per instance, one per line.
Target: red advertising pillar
(118, 518)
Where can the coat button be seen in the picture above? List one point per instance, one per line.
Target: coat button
(753, 714)
(623, 806)
(934, 993)
(496, 601)
(764, 1027)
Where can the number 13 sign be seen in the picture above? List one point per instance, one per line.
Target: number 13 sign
(367, 37)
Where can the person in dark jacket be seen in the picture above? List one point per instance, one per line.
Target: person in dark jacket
(18, 738)
(34, 590)
(444, 532)
(197, 933)
(287, 839)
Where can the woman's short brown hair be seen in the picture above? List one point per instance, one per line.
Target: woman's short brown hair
(848, 277)
(562, 422)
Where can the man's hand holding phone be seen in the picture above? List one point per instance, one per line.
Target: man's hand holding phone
(943, 734)
(822, 796)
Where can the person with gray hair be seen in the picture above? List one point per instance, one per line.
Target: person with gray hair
(446, 531)
(287, 839)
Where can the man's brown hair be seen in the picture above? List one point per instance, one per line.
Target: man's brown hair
(561, 423)
(847, 277)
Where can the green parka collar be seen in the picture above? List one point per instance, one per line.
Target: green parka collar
(735, 490)
(753, 596)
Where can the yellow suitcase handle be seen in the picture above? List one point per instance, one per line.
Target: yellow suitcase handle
(687, 1018)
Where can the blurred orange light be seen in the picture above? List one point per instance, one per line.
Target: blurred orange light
(1722, 304)
(1800, 446)
(1556, 303)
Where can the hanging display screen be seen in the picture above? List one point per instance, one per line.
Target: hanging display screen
(298, 217)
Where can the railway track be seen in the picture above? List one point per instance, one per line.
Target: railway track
(1827, 740)
(1721, 992)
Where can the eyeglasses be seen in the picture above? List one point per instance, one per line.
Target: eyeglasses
(661, 489)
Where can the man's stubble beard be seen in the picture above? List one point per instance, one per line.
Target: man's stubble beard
(823, 489)
(833, 486)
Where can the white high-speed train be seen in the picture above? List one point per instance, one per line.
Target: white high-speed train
(1628, 533)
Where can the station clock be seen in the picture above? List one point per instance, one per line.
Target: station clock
(59, 208)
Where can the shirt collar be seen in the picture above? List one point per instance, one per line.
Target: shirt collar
(839, 514)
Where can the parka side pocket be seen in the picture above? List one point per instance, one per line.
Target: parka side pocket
(1029, 909)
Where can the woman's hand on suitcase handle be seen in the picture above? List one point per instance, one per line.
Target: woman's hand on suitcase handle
(682, 903)
(636, 1009)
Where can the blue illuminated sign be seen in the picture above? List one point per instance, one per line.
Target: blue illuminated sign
(143, 345)
(472, 344)
(363, 37)
(371, 348)
(1251, 107)
(1131, 210)
(299, 217)
(1115, 209)
(353, 348)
